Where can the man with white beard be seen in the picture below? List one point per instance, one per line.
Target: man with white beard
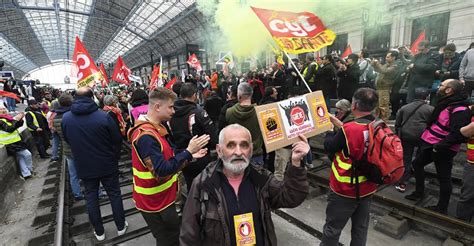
(230, 202)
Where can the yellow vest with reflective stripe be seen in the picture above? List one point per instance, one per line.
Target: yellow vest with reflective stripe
(305, 71)
(9, 137)
(152, 193)
(35, 121)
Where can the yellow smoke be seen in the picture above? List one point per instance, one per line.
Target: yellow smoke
(239, 29)
(233, 26)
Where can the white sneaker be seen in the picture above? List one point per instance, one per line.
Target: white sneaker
(101, 237)
(125, 227)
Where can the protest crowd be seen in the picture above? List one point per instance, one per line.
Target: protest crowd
(199, 135)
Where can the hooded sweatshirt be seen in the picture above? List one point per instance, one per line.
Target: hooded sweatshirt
(94, 139)
(191, 120)
(247, 117)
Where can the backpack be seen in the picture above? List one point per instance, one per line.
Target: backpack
(382, 163)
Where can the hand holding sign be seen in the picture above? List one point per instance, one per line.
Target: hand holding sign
(335, 121)
(299, 151)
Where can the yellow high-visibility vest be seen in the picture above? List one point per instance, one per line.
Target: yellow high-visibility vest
(35, 121)
(9, 137)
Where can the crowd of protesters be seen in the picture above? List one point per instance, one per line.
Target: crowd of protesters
(205, 127)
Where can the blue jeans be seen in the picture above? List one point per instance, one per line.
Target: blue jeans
(111, 185)
(73, 179)
(26, 162)
(55, 146)
(11, 104)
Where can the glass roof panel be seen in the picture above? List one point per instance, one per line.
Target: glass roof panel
(76, 5)
(14, 57)
(146, 20)
(123, 42)
(51, 30)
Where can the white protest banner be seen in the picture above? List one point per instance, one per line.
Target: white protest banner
(282, 122)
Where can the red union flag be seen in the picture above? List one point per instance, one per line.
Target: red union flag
(347, 51)
(414, 45)
(194, 62)
(84, 67)
(105, 80)
(121, 72)
(296, 32)
(154, 77)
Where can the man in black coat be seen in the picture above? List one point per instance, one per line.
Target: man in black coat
(38, 126)
(231, 101)
(190, 120)
(421, 70)
(348, 74)
(213, 105)
(326, 79)
(448, 63)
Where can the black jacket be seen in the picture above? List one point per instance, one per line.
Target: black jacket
(267, 100)
(222, 121)
(423, 72)
(414, 126)
(452, 68)
(214, 228)
(190, 120)
(42, 122)
(213, 107)
(348, 82)
(326, 80)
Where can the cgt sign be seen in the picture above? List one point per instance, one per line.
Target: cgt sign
(84, 67)
(296, 32)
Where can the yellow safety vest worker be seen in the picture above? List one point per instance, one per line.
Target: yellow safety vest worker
(35, 121)
(9, 137)
(305, 71)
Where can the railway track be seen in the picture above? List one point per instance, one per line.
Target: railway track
(394, 204)
(63, 221)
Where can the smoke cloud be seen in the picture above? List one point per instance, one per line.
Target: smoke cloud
(234, 26)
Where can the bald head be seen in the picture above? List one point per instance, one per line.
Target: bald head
(455, 84)
(234, 128)
(84, 92)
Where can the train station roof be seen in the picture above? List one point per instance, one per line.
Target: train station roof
(36, 33)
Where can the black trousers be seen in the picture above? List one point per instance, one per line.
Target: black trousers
(443, 160)
(41, 142)
(338, 211)
(164, 226)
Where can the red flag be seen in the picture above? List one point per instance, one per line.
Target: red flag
(171, 83)
(84, 67)
(10, 95)
(105, 80)
(194, 62)
(121, 72)
(347, 52)
(154, 77)
(296, 33)
(414, 45)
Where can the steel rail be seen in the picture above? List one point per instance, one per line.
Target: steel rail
(442, 222)
(59, 230)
